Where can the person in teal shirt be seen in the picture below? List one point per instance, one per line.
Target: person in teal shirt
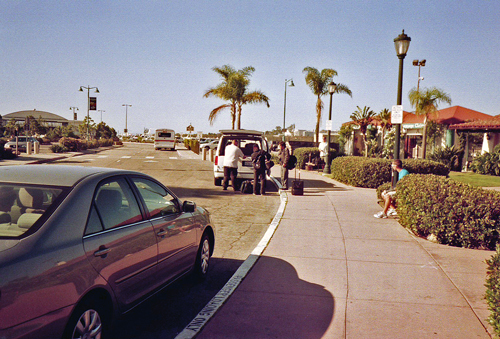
(388, 196)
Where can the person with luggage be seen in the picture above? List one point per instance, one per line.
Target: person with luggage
(284, 157)
(259, 159)
(232, 155)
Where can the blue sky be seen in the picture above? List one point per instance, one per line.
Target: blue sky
(158, 56)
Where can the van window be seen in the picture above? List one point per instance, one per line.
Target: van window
(165, 135)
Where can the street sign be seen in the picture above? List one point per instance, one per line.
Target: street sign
(328, 125)
(190, 128)
(397, 114)
(92, 103)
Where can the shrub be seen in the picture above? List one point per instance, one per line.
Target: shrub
(373, 172)
(450, 156)
(488, 163)
(193, 145)
(457, 214)
(303, 154)
(493, 290)
(57, 148)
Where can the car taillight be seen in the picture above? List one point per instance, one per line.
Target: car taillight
(216, 160)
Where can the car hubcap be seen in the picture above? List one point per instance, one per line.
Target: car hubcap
(205, 256)
(89, 326)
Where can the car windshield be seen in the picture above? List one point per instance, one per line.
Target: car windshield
(244, 143)
(22, 205)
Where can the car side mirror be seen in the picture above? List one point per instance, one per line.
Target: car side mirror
(188, 206)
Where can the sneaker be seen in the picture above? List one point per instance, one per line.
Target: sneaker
(392, 212)
(380, 215)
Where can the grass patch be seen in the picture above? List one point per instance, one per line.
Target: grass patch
(479, 180)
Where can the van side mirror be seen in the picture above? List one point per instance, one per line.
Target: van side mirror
(188, 206)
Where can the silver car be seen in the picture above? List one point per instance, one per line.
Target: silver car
(21, 142)
(81, 245)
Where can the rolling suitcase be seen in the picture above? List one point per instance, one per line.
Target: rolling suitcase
(297, 185)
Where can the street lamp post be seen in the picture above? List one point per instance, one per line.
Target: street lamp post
(331, 88)
(419, 63)
(401, 43)
(88, 88)
(74, 113)
(125, 131)
(284, 105)
(101, 110)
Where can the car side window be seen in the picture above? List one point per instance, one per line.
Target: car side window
(115, 205)
(158, 201)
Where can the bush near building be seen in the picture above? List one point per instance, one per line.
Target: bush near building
(456, 214)
(373, 172)
(193, 145)
(487, 163)
(304, 154)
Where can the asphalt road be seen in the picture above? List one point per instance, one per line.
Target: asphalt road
(240, 219)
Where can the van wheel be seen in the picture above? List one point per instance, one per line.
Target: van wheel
(218, 181)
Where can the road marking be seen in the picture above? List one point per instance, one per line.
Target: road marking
(150, 157)
(172, 157)
(126, 157)
(102, 156)
(150, 161)
(200, 320)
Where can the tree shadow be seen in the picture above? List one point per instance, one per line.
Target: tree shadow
(273, 302)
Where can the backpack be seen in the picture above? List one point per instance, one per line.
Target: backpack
(292, 161)
(246, 187)
(260, 161)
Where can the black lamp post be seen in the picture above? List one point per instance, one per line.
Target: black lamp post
(401, 43)
(88, 88)
(284, 105)
(331, 88)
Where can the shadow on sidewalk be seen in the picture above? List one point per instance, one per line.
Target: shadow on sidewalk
(273, 302)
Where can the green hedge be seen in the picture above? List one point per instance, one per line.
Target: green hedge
(373, 172)
(193, 145)
(456, 214)
(493, 290)
(68, 144)
(303, 153)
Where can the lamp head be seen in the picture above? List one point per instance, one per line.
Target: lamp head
(332, 87)
(292, 84)
(422, 63)
(97, 90)
(81, 89)
(402, 43)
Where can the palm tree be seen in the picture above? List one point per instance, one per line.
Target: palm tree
(426, 103)
(318, 82)
(385, 121)
(224, 92)
(363, 117)
(234, 89)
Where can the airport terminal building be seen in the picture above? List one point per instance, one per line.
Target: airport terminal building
(50, 120)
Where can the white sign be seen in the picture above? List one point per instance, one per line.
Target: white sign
(328, 125)
(200, 135)
(397, 114)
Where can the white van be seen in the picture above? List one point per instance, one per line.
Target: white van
(165, 138)
(246, 139)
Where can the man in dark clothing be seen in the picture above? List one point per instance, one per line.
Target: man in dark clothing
(284, 156)
(259, 158)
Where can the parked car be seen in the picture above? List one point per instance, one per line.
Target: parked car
(246, 140)
(81, 245)
(22, 142)
(209, 145)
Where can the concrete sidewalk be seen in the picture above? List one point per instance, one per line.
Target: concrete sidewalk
(332, 270)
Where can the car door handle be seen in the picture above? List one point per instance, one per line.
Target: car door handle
(162, 233)
(102, 252)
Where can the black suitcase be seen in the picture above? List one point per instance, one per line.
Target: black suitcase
(297, 185)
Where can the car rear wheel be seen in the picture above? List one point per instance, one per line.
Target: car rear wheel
(89, 320)
(218, 181)
(203, 257)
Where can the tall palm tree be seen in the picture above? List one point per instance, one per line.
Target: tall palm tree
(318, 82)
(426, 103)
(363, 117)
(224, 92)
(234, 89)
(385, 121)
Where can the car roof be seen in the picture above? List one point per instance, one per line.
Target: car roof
(240, 132)
(52, 175)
